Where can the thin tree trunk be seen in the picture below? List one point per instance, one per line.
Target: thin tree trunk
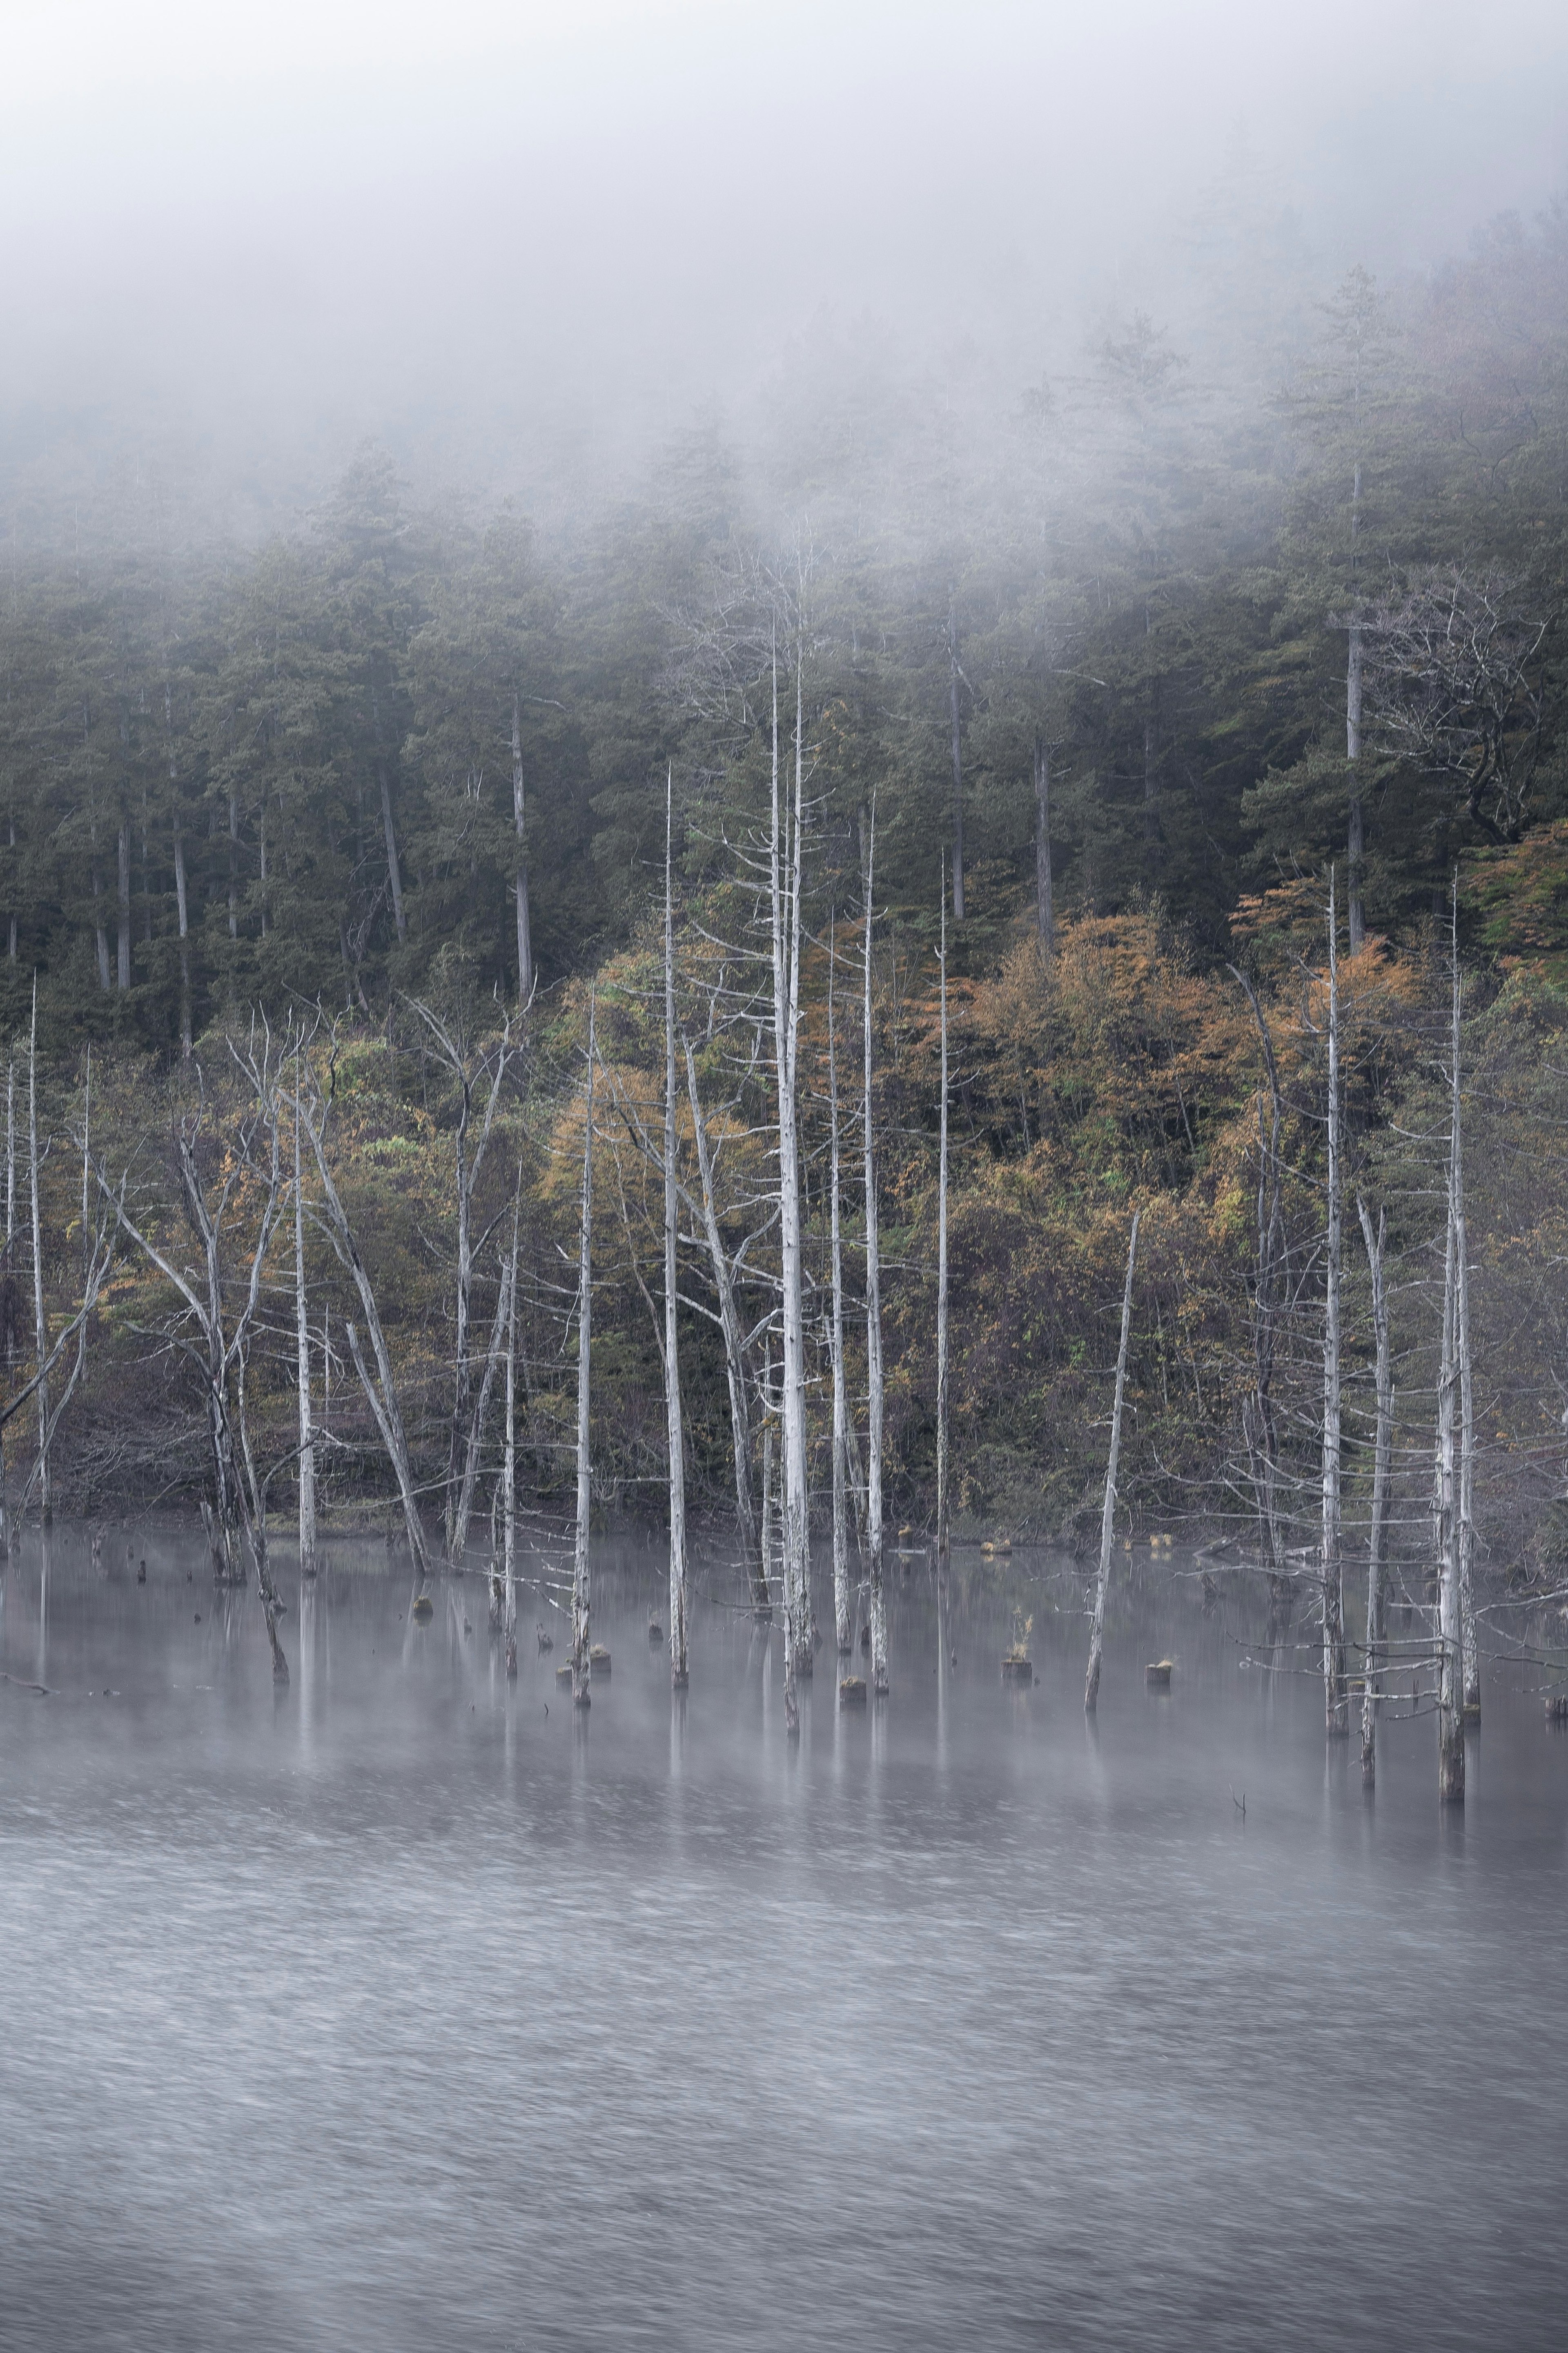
(734, 1357)
(1450, 1669)
(1045, 913)
(302, 1363)
(1331, 1562)
(580, 1588)
(46, 1497)
(952, 677)
(842, 1616)
(677, 1593)
(784, 855)
(1466, 1532)
(524, 934)
(1352, 737)
(1383, 1447)
(10, 1151)
(1108, 1515)
(873, 1317)
(941, 1337)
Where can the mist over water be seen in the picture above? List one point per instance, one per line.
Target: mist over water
(403, 2009)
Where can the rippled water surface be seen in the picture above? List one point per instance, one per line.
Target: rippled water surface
(403, 2009)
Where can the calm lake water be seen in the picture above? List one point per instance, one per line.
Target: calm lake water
(404, 2009)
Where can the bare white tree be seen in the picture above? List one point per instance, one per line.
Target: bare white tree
(1108, 1511)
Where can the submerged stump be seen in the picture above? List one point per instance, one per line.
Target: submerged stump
(1018, 1673)
(852, 1692)
(1157, 1674)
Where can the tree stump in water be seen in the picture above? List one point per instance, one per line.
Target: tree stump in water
(1557, 1707)
(852, 1692)
(655, 1632)
(564, 1675)
(424, 1609)
(598, 1660)
(1157, 1674)
(1018, 1673)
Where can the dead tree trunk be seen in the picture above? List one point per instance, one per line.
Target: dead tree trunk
(678, 1586)
(580, 1587)
(873, 1313)
(942, 1336)
(40, 1328)
(784, 878)
(1331, 1559)
(734, 1355)
(1108, 1512)
(1353, 663)
(302, 1363)
(1469, 1646)
(1259, 1419)
(1450, 1667)
(1383, 1448)
(843, 1620)
(380, 1388)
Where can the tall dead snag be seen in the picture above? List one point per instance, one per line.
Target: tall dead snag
(380, 1385)
(524, 936)
(734, 1353)
(302, 1360)
(785, 846)
(1450, 1669)
(1469, 1647)
(40, 1327)
(580, 1590)
(873, 1314)
(842, 1614)
(941, 1396)
(1383, 1448)
(677, 1589)
(1108, 1515)
(237, 1515)
(504, 1604)
(1259, 1419)
(469, 1073)
(1331, 1559)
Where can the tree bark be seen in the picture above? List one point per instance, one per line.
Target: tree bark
(40, 1329)
(1450, 1667)
(678, 1586)
(302, 1363)
(581, 1598)
(785, 872)
(843, 1622)
(1330, 1557)
(942, 1335)
(1467, 1533)
(873, 1316)
(734, 1357)
(1383, 1447)
(1108, 1512)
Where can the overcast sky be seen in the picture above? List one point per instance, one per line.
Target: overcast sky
(307, 208)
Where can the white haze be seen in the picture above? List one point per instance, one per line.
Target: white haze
(515, 238)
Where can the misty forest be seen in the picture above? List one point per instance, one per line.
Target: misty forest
(784, 1331)
(840, 883)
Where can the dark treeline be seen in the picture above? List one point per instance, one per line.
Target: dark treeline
(1132, 668)
(1093, 632)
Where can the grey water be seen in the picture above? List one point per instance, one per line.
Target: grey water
(408, 2008)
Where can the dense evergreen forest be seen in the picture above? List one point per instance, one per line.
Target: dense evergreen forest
(1127, 668)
